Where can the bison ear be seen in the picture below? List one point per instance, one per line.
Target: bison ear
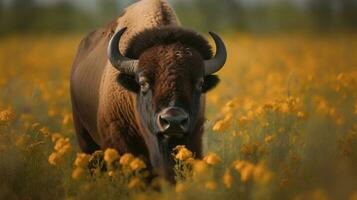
(210, 81)
(128, 82)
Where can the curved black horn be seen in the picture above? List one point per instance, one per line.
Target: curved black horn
(120, 62)
(217, 62)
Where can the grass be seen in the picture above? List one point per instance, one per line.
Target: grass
(281, 125)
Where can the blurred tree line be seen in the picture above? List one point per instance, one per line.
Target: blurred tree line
(23, 16)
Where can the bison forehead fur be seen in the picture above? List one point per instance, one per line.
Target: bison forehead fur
(167, 35)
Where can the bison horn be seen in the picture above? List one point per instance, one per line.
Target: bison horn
(217, 62)
(120, 62)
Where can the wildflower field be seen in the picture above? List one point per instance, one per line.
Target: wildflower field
(282, 124)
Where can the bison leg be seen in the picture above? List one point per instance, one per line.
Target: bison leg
(85, 141)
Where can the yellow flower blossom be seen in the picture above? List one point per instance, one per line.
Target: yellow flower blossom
(223, 124)
(55, 137)
(51, 112)
(179, 187)
(211, 185)
(81, 160)
(261, 174)
(137, 164)
(284, 108)
(7, 115)
(183, 154)
(269, 138)
(60, 143)
(45, 131)
(111, 173)
(126, 159)
(246, 171)
(35, 125)
(248, 149)
(110, 155)
(54, 159)
(212, 159)
(66, 119)
(78, 173)
(199, 166)
(242, 121)
(228, 179)
(135, 182)
(65, 149)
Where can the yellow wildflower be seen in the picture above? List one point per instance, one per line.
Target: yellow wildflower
(51, 112)
(179, 187)
(269, 138)
(190, 160)
(55, 137)
(284, 108)
(44, 131)
(7, 115)
(301, 115)
(242, 121)
(261, 174)
(212, 159)
(223, 124)
(22, 140)
(183, 154)
(248, 149)
(135, 183)
(211, 185)
(239, 164)
(65, 149)
(246, 172)
(199, 166)
(60, 143)
(66, 119)
(110, 155)
(126, 159)
(54, 158)
(228, 179)
(78, 173)
(82, 160)
(111, 173)
(228, 106)
(137, 164)
(35, 125)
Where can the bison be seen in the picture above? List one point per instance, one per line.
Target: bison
(138, 85)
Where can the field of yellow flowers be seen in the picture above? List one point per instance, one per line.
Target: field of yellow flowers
(281, 125)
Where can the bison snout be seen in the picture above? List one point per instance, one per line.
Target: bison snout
(173, 121)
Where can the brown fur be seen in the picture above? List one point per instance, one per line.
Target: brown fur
(167, 35)
(105, 113)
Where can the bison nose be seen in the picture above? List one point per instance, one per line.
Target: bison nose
(173, 120)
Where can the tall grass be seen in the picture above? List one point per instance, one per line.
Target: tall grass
(282, 124)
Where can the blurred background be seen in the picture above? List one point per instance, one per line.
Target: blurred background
(283, 118)
(260, 16)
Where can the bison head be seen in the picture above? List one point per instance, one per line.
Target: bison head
(169, 70)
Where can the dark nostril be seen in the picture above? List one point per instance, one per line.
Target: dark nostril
(183, 121)
(165, 124)
(173, 120)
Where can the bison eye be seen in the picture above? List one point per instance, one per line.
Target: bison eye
(199, 84)
(144, 85)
